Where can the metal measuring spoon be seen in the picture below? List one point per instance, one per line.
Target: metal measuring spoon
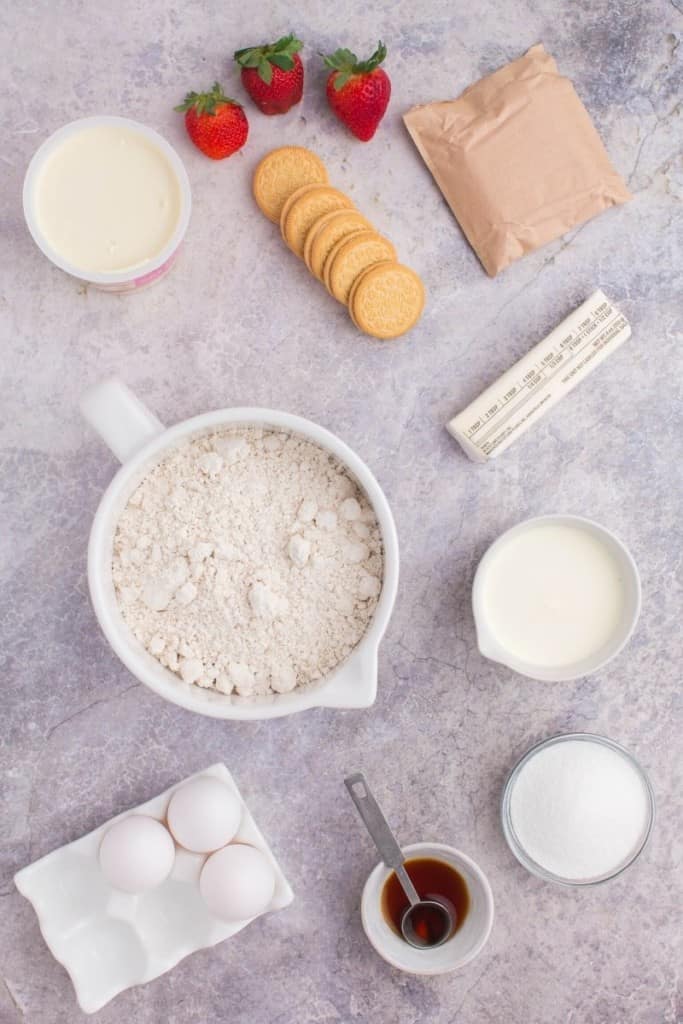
(434, 914)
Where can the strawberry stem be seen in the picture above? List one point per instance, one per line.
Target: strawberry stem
(206, 102)
(279, 54)
(346, 63)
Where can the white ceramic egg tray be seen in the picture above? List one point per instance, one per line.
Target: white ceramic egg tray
(108, 940)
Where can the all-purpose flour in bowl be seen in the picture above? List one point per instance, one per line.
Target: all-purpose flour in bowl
(248, 561)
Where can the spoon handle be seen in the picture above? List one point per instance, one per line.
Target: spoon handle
(378, 827)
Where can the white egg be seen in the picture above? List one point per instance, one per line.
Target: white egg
(237, 882)
(204, 815)
(136, 854)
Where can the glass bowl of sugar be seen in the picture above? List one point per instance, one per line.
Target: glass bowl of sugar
(577, 809)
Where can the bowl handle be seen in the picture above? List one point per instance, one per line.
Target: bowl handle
(123, 422)
(355, 684)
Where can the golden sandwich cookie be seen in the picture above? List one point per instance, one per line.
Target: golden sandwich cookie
(281, 172)
(305, 210)
(317, 224)
(294, 196)
(355, 286)
(331, 256)
(354, 255)
(326, 232)
(357, 282)
(387, 300)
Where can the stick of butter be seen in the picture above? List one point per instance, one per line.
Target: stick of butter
(540, 379)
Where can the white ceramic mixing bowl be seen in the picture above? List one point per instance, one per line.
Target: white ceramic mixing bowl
(139, 440)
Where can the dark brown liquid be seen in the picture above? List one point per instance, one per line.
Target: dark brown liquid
(433, 879)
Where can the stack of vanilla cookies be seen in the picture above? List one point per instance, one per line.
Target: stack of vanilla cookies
(338, 245)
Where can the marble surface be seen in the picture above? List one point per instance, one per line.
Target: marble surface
(239, 321)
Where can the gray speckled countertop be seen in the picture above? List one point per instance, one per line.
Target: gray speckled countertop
(238, 321)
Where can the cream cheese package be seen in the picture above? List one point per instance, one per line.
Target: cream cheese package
(537, 382)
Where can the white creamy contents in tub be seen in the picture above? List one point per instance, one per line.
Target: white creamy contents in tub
(248, 561)
(107, 199)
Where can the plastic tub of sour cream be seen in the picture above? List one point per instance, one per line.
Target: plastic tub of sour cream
(108, 200)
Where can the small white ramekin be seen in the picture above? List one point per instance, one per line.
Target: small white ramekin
(487, 641)
(139, 441)
(469, 939)
(114, 281)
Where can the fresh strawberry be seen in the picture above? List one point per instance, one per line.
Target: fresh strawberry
(358, 91)
(216, 124)
(273, 74)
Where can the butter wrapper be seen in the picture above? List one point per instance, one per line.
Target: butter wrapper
(540, 379)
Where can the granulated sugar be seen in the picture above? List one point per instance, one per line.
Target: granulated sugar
(248, 561)
(580, 809)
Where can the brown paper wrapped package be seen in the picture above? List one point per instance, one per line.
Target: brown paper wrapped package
(517, 158)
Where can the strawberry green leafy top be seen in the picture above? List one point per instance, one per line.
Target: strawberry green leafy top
(206, 102)
(347, 64)
(279, 54)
